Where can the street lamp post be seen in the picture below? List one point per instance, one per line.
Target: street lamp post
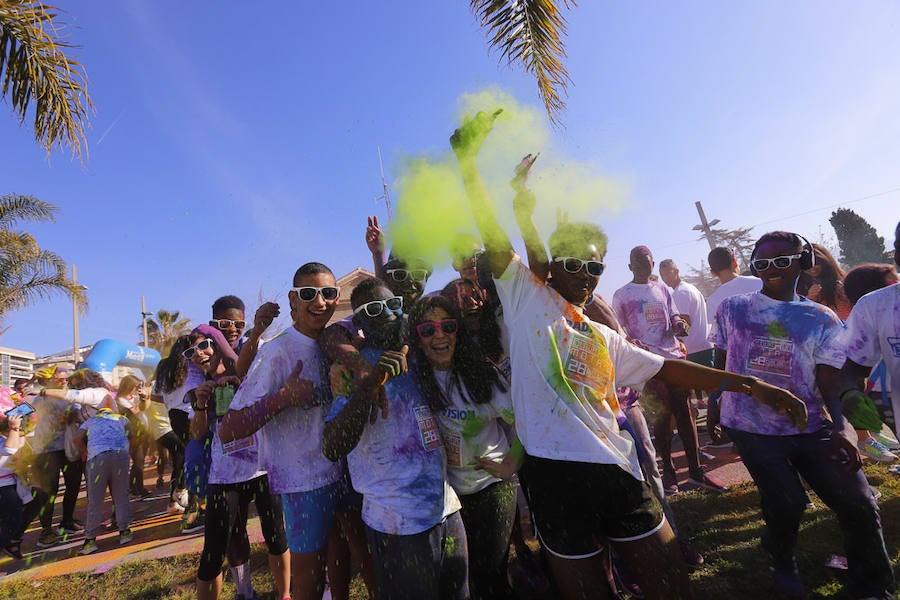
(75, 357)
(144, 315)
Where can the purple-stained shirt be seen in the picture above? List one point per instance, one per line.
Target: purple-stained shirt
(780, 343)
(645, 311)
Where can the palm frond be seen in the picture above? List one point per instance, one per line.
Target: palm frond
(35, 274)
(530, 33)
(15, 208)
(34, 67)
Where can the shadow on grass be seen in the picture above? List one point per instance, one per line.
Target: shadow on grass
(726, 529)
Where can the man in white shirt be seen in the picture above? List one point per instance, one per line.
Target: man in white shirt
(873, 335)
(692, 307)
(723, 265)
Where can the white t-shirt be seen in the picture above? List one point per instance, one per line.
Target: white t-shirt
(291, 441)
(177, 398)
(158, 420)
(690, 302)
(7, 476)
(399, 463)
(873, 332)
(471, 431)
(741, 284)
(49, 432)
(645, 312)
(780, 343)
(235, 463)
(565, 370)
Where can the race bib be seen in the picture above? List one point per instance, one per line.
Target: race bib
(587, 363)
(236, 446)
(655, 314)
(453, 445)
(428, 429)
(771, 355)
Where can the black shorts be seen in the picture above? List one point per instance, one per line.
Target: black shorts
(577, 506)
(703, 357)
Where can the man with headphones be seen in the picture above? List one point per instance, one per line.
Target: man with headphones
(786, 340)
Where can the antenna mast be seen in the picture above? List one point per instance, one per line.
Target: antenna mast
(385, 193)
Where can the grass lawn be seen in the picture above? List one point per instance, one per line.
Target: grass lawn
(724, 528)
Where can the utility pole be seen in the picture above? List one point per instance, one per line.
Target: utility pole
(144, 315)
(705, 227)
(385, 193)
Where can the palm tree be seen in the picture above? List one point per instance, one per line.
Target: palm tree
(34, 67)
(164, 328)
(27, 271)
(530, 32)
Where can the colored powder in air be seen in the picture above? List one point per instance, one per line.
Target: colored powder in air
(432, 207)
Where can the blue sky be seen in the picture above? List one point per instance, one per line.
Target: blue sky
(232, 142)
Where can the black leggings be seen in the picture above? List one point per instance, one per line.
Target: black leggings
(488, 516)
(172, 443)
(46, 469)
(226, 524)
(181, 426)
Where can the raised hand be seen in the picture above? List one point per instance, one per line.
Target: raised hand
(264, 316)
(390, 364)
(468, 139)
(374, 236)
(300, 391)
(782, 402)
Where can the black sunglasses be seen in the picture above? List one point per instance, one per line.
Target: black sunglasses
(308, 293)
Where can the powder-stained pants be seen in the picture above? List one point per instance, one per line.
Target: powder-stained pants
(107, 469)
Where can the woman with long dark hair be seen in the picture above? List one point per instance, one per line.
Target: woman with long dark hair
(824, 283)
(235, 477)
(470, 398)
(170, 388)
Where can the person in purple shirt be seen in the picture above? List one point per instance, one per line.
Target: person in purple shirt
(786, 340)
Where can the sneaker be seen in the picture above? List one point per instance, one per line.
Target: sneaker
(48, 539)
(707, 481)
(174, 509)
(125, 536)
(181, 497)
(692, 558)
(722, 443)
(787, 580)
(876, 451)
(71, 527)
(670, 482)
(886, 438)
(14, 549)
(160, 484)
(89, 547)
(195, 524)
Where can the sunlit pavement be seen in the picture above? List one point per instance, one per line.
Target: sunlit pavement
(157, 535)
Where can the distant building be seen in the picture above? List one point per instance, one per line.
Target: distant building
(15, 364)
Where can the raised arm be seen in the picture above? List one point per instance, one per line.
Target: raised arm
(244, 422)
(343, 430)
(466, 142)
(523, 208)
(375, 244)
(690, 375)
(263, 317)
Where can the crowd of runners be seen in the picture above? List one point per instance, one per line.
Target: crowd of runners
(393, 443)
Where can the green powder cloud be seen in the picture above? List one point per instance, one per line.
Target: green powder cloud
(432, 207)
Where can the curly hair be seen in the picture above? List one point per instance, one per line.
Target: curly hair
(471, 373)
